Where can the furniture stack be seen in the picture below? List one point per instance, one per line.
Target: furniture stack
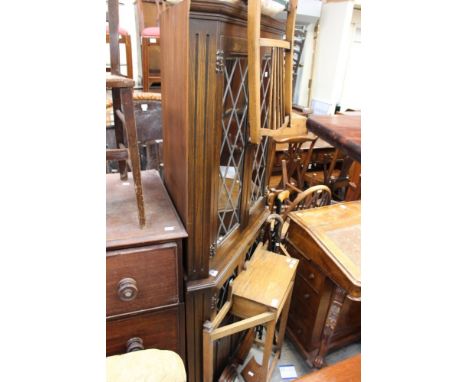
(144, 299)
(216, 177)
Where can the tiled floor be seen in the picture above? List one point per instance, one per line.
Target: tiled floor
(290, 356)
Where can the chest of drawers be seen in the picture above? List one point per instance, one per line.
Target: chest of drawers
(144, 289)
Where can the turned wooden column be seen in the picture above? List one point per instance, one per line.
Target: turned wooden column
(339, 295)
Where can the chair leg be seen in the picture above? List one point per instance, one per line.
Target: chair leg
(145, 62)
(130, 127)
(119, 134)
(128, 54)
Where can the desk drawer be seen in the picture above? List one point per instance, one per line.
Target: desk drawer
(162, 329)
(308, 270)
(142, 278)
(304, 302)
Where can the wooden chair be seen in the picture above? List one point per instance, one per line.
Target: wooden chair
(335, 179)
(124, 116)
(260, 295)
(124, 38)
(281, 121)
(297, 156)
(148, 20)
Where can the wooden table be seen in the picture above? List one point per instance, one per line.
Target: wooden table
(344, 132)
(340, 130)
(348, 370)
(327, 241)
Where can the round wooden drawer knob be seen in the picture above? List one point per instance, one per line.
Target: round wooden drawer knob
(127, 289)
(135, 344)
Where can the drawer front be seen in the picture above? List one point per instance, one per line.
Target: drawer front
(300, 329)
(304, 302)
(142, 278)
(308, 270)
(163, 329)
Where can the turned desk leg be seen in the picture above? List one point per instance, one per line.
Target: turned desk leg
(339, 295)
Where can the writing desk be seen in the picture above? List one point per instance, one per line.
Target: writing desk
(325, 309)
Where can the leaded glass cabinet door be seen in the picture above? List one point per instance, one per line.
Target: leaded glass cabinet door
(243, 167)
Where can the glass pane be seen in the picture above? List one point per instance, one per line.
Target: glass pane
(260, 159)
(233, 139)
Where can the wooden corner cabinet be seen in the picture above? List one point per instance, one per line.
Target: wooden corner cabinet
(216, 178)
(144, 278)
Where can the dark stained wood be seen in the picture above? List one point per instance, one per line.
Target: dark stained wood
(341, 131)
(163, 223)
(113, 13)
(325, 310)
(348, 370)
(156, 274)
(158, 329)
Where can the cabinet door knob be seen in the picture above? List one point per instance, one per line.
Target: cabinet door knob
(306, 296)
(127, 289)
(311, 276)
(135, 344)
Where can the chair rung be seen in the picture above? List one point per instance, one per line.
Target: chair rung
(274, 43)
(117, 154)
(115, 81)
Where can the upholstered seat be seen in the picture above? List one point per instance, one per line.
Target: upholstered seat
(122, 31)
(151, 32)
(124, 38)
(149, 365)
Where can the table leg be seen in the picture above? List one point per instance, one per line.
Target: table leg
(339, 295)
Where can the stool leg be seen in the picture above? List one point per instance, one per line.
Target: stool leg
(283, 321)
(270, 334)
(119, 134)
(130, 127)
(128, 55)
(145, 63)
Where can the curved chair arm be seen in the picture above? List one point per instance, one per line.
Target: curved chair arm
(307, 193)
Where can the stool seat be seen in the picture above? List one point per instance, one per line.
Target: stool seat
(264, 285)
(151, 365)
(151, 32)
(122, 31)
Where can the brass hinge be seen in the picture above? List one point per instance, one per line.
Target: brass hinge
(219, 61)
(212, 249)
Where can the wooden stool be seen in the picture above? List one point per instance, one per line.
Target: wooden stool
(260, 295)
(124, 116)
(124, 38)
